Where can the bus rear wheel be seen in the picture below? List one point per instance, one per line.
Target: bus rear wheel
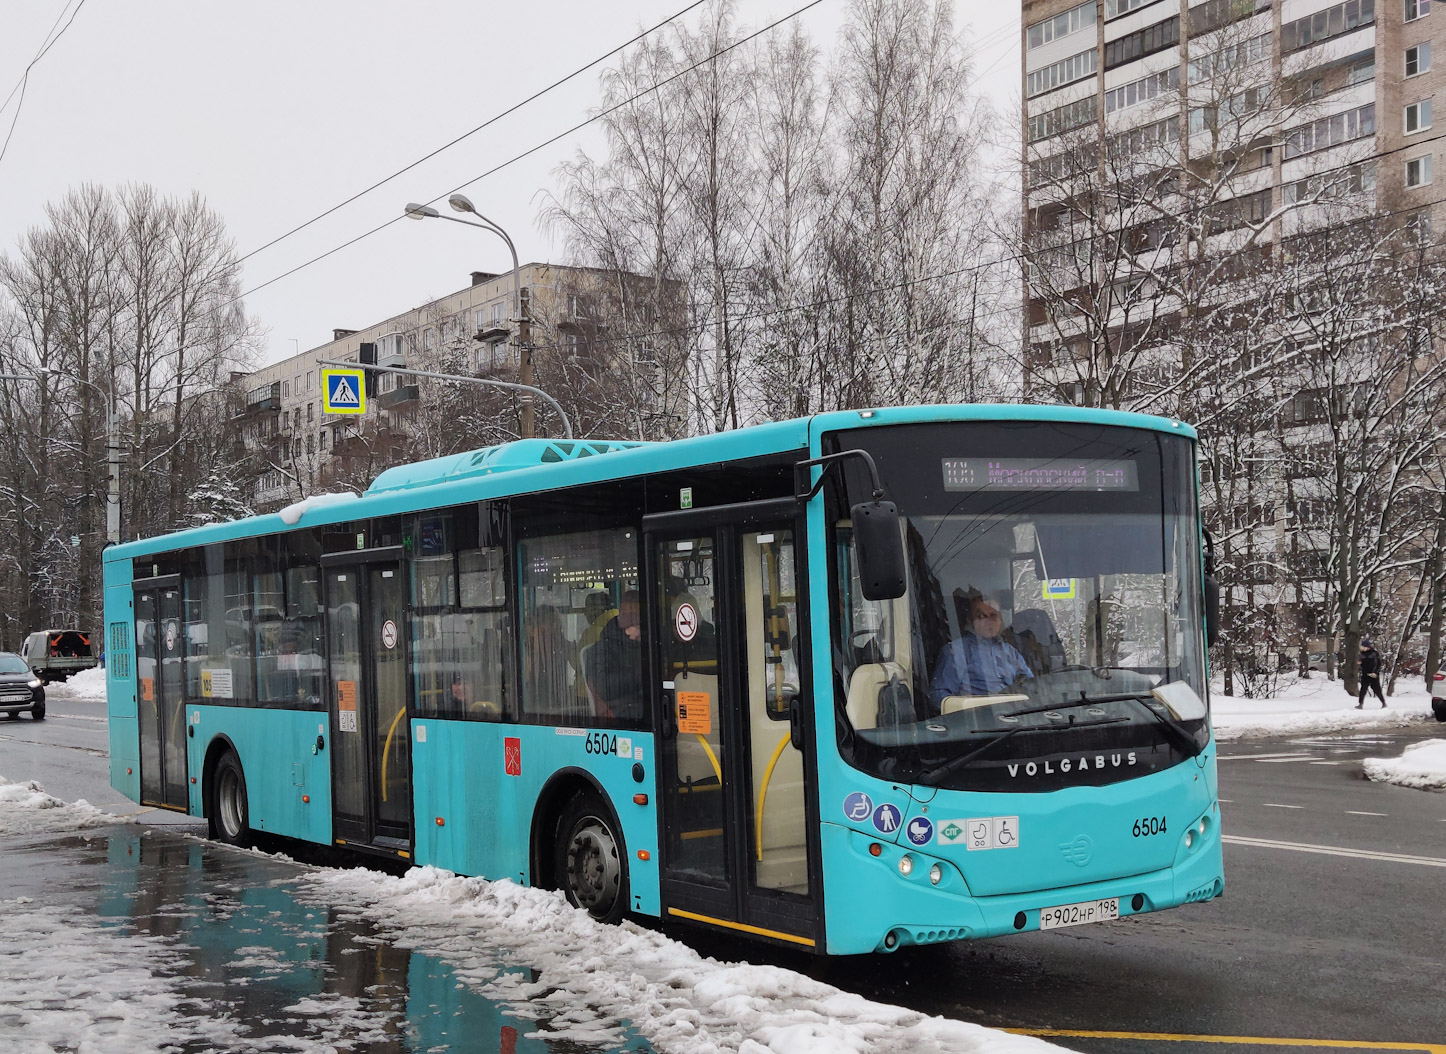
(230, 817)
(589, 860)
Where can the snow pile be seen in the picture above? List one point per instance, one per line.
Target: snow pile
(1422, 766)
(73, 984)
(87, 684)
(598, 977)
(26, 808)
(1314, 706)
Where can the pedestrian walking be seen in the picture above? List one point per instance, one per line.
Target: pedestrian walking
(1370, 670)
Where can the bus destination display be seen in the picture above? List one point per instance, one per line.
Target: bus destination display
(1038, 473)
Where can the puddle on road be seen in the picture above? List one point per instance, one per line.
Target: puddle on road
(282, 974)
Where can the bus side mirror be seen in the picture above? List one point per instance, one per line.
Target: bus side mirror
(1212, 610)
(880, 549)
(1212, 593)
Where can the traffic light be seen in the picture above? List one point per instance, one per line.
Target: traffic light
(367, 356)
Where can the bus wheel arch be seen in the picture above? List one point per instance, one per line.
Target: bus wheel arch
(578, 846)
(224, 795)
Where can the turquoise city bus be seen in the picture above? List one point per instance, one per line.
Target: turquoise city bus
(856, 681)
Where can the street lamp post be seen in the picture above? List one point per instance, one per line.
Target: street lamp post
(112, 444)
(520, 306)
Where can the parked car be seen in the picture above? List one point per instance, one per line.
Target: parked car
(20, 688)
(1438, 696)
(55, 654)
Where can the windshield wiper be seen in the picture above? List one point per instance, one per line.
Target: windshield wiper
(1173, 731)
(930, 775)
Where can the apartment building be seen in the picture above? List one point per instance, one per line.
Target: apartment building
(1303, 103)
(574, 319)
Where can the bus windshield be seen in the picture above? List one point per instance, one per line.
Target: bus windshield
(1051, 632)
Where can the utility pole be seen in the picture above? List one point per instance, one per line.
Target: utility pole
(524, 357)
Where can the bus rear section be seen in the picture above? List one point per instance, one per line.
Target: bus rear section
(1022, 739)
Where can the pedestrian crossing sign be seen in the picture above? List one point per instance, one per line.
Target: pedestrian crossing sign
(1059, 589)
(343, 392)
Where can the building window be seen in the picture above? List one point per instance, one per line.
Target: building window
(1414, 9)
(285, 389)
(1418, 171)
(310, 445)
(1231, 56)
(1062, 25)
(1065, 71)
(1363, 70)
(1331, 131)
(499, 313)
(1063, 119)
(1332, 22)
(310, 412)
(1116, 8)
(321, 440)
(1143, 42)
(1418, 116)
(1418, 59)
(429, 339)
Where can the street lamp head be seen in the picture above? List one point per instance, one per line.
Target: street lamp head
(462, 203)
(414, 211)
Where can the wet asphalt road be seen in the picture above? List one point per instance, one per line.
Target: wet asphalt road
(1331, 934)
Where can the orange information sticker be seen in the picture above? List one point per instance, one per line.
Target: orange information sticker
(148, 690)
(695, 713)
(346, 706)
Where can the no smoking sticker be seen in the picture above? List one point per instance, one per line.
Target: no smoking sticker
(685, 622)
(389, 634)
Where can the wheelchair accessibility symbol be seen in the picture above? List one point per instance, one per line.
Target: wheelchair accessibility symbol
(858, 807)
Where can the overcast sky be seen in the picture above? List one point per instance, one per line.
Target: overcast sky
(277, 110)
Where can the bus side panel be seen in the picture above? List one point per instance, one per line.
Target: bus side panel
(288, 780)
(460, 776)
(120, 680)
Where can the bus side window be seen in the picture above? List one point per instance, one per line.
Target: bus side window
(574, 669)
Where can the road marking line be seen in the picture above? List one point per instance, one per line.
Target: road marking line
(1353, 812)
(1253, 1041)
(1333, 850)
(1275, 805)
(1268, 757)
(1326, 762)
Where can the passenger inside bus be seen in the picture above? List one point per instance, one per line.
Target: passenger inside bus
(615, 663)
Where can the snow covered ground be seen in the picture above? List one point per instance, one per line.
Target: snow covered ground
(1303, 707)
(72, 982)
(1423, 766)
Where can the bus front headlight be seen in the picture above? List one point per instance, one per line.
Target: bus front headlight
(936, 874)
(906, 865)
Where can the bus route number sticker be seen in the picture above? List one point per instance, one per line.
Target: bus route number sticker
(685, 622)
(695, 713)
(346, 706)
(389, 634)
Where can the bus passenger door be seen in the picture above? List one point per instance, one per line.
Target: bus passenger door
(735, 805)
(160, 684)
(370, 734)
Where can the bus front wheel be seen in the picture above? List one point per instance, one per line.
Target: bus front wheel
(589, 861)
(230, 819)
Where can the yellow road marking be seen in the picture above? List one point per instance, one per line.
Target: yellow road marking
(1243, 1041)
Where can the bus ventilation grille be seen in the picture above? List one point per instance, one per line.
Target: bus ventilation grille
(118, 649)
(1205, 892)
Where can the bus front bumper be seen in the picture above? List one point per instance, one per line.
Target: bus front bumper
(882, 909)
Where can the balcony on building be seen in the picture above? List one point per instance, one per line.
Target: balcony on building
(401, 395)
(265, 399)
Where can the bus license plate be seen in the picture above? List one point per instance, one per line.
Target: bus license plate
(1079, 914)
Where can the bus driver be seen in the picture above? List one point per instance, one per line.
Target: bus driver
(979, 662)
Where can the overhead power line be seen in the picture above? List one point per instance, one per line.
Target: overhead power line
(540, 146)
(24, 81)
(490, 121)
